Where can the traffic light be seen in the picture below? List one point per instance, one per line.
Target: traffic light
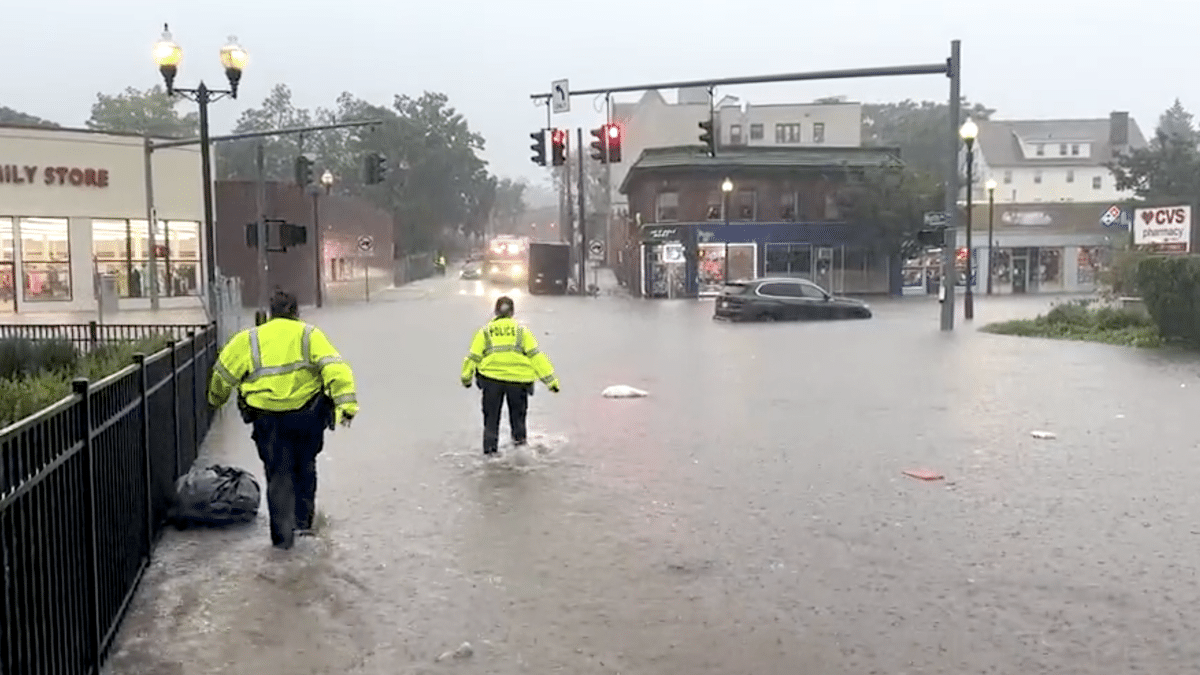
(932, 238)
(558, 146)
(291, 234)
(707, 138)
(304, 170)
(538, 147)
(606, 149)
(374, 168)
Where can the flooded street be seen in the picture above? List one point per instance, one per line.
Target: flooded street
(749, 516)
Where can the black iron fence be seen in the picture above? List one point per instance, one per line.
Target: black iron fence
(88, 336)
(85, 487)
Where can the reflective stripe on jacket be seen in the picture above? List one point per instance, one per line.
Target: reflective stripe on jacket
(279, 366)
(507, 351)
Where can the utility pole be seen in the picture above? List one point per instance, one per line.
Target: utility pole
(260, 201)
(582, 217)
(949, 245)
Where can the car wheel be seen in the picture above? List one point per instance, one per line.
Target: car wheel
(766, 316)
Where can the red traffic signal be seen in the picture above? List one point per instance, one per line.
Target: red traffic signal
(606, 149)
(558, 147)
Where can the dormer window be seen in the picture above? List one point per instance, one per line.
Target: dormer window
(1040, 150)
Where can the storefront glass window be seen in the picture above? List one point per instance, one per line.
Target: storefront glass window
(46, 258)
(790, 260)
(711, 268)
(110, 250)
(7, 268)
(183, 257)
(1092, 261)
(1049, 269)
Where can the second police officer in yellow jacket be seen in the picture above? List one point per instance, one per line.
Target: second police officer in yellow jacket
(505, 361)
(292, 385)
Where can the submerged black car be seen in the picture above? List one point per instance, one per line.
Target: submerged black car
(784, 299)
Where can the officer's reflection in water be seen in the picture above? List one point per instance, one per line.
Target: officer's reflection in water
(505, 361)
(292, 386)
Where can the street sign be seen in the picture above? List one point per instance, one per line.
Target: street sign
(935, 219)
(366, 245)
(560, 96)
(596, 249)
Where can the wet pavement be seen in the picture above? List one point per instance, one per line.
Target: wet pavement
(749, 516)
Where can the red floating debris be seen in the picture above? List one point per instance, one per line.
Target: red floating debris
(924, 474)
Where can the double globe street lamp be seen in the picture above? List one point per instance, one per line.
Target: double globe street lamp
(168, 56)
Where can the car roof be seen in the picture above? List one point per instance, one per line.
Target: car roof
(772, 280)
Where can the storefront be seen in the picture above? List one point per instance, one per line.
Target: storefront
(73, 208)
(1052, 248)
(694, 259)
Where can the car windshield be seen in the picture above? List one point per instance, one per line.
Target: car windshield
(734, 289)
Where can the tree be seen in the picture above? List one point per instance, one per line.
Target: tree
(1169, 167)
(236, 159)
(10, 116)
(509, 203)
(919, 130)
(144, 112)
(890, 202)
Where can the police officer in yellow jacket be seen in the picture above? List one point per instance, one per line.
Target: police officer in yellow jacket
(505, 361)
(292, 386)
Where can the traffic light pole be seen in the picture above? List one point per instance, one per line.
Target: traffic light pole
(951, 68)
(260, 202)
(582, 217)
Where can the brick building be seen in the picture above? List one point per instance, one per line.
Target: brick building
(782, 217)
(343, 221)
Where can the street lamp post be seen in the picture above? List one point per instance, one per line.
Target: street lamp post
(991, 188)
(969, 132)
(726, 189)
(318, 245)
(168, 55)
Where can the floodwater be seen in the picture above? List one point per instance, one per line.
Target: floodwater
(749, 516)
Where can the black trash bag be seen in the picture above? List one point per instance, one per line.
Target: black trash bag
(215, 495)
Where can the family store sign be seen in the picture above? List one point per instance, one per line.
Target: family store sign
(12, 174)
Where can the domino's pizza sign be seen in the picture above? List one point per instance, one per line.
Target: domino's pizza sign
(1116, 216)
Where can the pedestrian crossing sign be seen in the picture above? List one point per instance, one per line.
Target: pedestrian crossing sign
(1112, 215)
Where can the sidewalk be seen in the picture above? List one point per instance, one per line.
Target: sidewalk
(173, 316)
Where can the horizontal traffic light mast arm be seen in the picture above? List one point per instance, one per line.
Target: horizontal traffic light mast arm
(157, 145)
(889, 71)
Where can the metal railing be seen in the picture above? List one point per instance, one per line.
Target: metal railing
(85, 487)
(88, 336)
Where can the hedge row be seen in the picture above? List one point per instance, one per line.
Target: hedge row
(1170, 288)
(37, 374)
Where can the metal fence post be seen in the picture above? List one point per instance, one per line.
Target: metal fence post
(81, 388)
(197, 392)
(93, 334)
(173, 345)
(144, 394)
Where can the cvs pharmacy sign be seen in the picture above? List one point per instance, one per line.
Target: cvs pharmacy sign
(1163, 228)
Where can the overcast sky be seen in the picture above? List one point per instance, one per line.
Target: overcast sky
(1026, 58)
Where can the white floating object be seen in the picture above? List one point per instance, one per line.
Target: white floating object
(1044, 435)
(623, 391)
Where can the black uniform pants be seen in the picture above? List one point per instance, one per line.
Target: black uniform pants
(288, 445)
(495, 393)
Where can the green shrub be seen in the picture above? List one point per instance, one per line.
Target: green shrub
(1120, 277)
(1077, 320)
(28, 390)
(1170, 288)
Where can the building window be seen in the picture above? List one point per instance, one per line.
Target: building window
(1070, 176)
(794, 260)
(1062, 149)
(787, 207)
(8, 275)
(787, 133)
(756, 132)
(1040, 150)
(818, 132)
(46, 258)
(1008, 177)
(181, 259)
(747, 204)
(1075, 149)
(666, 207)
(1037, 177)
(714, 210)
(735, 134)
(831, 207)
(1096, 182)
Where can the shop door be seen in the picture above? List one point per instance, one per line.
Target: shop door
(1020, 274)
(830, 272)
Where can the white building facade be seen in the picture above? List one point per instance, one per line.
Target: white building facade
(73, 207)
(1038, 161)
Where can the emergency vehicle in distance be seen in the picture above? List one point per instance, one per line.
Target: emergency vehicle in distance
(506, 260)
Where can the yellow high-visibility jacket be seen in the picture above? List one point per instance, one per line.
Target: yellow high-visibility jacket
(280, 366)
(507, 351)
